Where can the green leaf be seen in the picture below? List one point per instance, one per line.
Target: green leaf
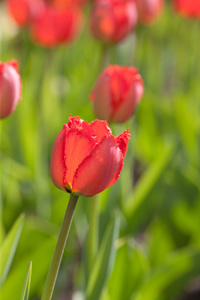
(147, 182)
(104, 260)
(8, 248)
(27, 282)
(41, 257)
(170, 278)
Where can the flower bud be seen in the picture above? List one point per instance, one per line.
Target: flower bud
(56, 24)
(149, 10)
(116, 93)
(187, 8)
(86, 158)
(10, 88)
(23, 11)
(112, 20)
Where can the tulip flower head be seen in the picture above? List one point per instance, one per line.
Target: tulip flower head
(116, 93)
(187, 8)
(56, 24)
(23, 11)
(149, 10)
(112, 20)
(10, 88)
(86, 158)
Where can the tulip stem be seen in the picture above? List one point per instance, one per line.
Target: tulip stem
(60, 246)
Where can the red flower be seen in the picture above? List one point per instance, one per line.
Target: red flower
(113, 20)
(116, 93)
(56, 24)
(149, 10)
(23, 11)
(86, 158)
(10, 88)
(188, 8)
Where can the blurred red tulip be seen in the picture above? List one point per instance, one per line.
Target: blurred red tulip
(23, 11)
(56, 24)
(187, 8)
(64, 2)
(112, 20)
(149, 10)
(116, 93)
(10, 88)
(86, 158)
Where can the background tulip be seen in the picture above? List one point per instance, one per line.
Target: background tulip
(56, 24)
(10, 87)
(112, 20)
(187, 8)
(149, 10)
(23, 11)
(86, 158)
(116, 93)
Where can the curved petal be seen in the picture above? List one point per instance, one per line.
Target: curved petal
(57, 165)
(101, 98)
(77, 145)
(100, 129)
(127, 107)
(100, 169)
(122, 141)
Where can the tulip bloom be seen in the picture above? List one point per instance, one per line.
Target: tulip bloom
(116, 93)
(149, 10)
(112, 20)
(22, 11)
(10, 88)
(86, 158)
(188, 8)
(56, 24)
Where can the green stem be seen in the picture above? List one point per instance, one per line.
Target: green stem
(60, 246)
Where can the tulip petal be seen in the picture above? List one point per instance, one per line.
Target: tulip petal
(100, 169)
(77, 145)
(57, 165)
(100, 129)
(122, 141)
(101, 98)
(126, 108)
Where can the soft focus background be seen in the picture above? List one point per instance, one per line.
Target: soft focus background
(146, 235)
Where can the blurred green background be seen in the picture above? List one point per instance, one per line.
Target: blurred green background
(140, 239)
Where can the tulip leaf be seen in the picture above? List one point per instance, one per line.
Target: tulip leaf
(171, 277)
(41, 258)
(8, 248)
(27, 282)
(104, 260)
(146, 183)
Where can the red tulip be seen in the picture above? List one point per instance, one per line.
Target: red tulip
(64, 2)
(56, 24)
(23, 11)
(149, 10)
(188, 8)
(116, 93)
(10, 88)
(113, 20)
(86, 158)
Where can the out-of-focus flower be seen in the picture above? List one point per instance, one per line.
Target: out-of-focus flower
(56, 24)
(23, 11)
(149, 10)
(116, 93)
(112, 20)
(64, 2)
(187, 8)
(86, 158)
(10, 87)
